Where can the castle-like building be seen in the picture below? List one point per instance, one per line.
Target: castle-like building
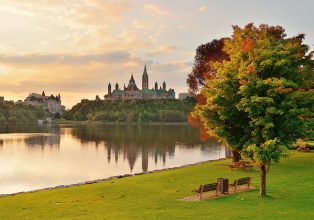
(51, 103)
(133, 92)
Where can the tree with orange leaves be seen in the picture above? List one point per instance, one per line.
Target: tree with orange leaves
(261, 100)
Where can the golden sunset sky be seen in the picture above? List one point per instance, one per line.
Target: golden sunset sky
(76, 47)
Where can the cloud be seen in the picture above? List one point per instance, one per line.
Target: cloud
(76, 47)
(67, 59)
(202, 8)
(175, 68)
(155, 10)
(163, 49)
(75, 80)
(99, 12)
(62, 25)
(86, 74)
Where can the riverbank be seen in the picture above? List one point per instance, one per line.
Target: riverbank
(106, 179)
(67, 122)
(154, 196)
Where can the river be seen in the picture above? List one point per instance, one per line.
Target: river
(39, 156)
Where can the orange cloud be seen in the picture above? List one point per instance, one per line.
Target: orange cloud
(163, 49)
(155, 10)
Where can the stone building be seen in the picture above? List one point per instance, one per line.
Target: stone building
(51, 103)
(133, 92)
(184, 95)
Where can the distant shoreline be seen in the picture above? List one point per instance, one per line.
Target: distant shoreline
(119, 123)
(68, 122)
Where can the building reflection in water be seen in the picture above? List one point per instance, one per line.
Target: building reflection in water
(142, 141)
(32, 135)
(51, 139)
(129, 143)
(39, 156)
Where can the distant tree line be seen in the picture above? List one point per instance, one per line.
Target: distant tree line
(20, 113)
(130, 111)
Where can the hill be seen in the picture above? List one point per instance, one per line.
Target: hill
(131, 110)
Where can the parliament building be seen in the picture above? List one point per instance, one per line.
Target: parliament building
(133, 92)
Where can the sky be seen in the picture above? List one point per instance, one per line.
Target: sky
(76, 47)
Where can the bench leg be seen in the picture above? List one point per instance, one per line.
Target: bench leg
(201, 193)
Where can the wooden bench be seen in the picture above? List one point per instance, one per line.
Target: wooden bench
(207, 188)
(241, 181)
(241, 164)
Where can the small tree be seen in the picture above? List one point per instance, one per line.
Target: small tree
(264, 92)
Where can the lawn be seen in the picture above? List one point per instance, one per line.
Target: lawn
(154, 196)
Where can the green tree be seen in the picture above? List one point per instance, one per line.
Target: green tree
(57, 115)
(262, 99)
(2, 119)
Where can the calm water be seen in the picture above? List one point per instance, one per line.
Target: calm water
(33, 157)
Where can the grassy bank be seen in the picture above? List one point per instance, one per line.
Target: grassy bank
(154, 196)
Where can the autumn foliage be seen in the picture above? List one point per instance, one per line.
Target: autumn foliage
(202, 70)
(259, 100)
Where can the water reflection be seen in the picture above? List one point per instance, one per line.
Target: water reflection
(40, 156)
(132, 142)
(43, 141)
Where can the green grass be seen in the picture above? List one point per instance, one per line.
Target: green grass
(154, 196)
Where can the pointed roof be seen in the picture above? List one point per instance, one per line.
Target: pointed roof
(145, 71)
(132, 78)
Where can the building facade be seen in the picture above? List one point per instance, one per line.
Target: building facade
(51, 103)
(184, 95)
(133, 92)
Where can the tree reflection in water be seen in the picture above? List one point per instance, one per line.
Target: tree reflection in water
(132, 141)
(39, 156)
(121, 142)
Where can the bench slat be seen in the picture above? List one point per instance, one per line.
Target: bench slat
(210, 187)
(243, 181)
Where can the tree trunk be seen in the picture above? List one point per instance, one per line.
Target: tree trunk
(262, 174)
(236, 156)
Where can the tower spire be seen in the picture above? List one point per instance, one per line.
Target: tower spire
(109, 89)
(145, 79)
(132, 78)
(145, 71)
